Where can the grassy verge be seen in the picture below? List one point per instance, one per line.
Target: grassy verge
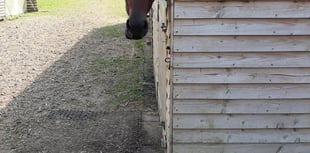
(113, 8)
(122, 74)
(125, 79)
(111, 30)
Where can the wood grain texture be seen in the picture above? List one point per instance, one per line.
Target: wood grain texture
(242, 27)
(161, 68)
(248, 75)
(241, 148)
(242, 60)
(271, 121)
(237, 9)
(241, 43)
(294, 106)
(2, 9)
(241, 76)
(263, 136)
(244, 91)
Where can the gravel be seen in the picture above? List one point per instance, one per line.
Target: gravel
(51, 98)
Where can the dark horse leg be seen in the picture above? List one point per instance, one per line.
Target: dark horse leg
(137, 25)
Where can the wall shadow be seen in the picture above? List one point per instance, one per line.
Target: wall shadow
(68, 108)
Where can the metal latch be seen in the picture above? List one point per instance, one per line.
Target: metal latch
(163, 27)
(167, 59)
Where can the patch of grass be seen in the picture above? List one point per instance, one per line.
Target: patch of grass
(12, 18)
(130, 91)
(111, 66)
(127, 87)
(139, 44)
(112, 8)
(115, 7)
(111, 31)
(57, 7)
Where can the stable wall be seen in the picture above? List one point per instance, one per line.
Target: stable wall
(15, 7)
(2, 9)
(11, 8)
(162, 66)
(241, 76)
(233, 76)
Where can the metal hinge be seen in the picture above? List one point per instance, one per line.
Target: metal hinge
(168, 58)
(164, 137)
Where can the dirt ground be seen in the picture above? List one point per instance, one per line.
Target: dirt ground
(68, 85)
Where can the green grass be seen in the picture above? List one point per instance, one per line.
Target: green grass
(56, 7)
(123, 75)
(111, 31)
(12, 18)
(60, 5)
(125, 89)
(139, 44)
(112, 8)
(115, 7)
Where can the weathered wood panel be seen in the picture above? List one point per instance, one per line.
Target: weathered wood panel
(241, 43)
(242, 27)
(2, 9)
(238, 9)
(294, 106)
(241, 76)
(271, 121)
(157, 47)
(161, 15)
(32, 6)
(14, 7)
(241, 148)
(159, 54)
(238, 91)
(241, 60)
(214, 76)
(242, 136)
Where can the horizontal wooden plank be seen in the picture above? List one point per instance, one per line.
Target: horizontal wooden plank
(242, 60)
(276, 75)
(248, 9)
(236, 0)
(242, 27)
(241, 43)
(242, 136)
(227, 0)
(187, 121)
(241, 148)
(237, 91)
(241, 106)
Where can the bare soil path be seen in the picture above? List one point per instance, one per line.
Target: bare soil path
(71, 83)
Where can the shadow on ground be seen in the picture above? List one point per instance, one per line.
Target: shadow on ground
(71, 107)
